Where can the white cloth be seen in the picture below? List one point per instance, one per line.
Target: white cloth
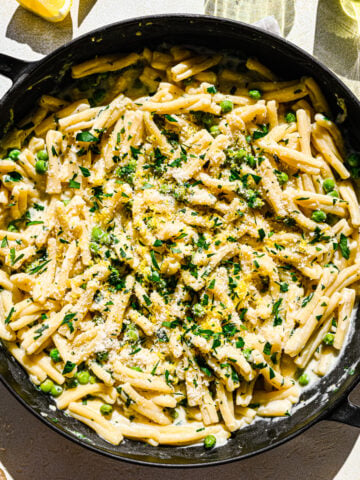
(270, 24)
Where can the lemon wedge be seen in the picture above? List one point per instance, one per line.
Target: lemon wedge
(51, 10)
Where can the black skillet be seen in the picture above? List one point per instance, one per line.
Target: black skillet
(328, 398)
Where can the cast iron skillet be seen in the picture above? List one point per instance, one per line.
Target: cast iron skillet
(328, 399)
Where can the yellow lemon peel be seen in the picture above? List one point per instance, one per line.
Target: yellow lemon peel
(50, 10)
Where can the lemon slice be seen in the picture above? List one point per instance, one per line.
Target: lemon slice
(351, 8)
(51, 10)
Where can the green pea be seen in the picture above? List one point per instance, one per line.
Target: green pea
(252, 199)
(329, 339)
(282, 177)
(99, 95)
(255, 202)
(55, 355)
(354, 160)
(355, 172)
(318, 216)
(106, 409)
(83, 377)
(165, 188)
(47, 386)
(132, 333)
(42, 155)
(100, 236)
(331, 219)
(247, 353)
(250, 160)
(92, 379)
(97, 233)
(14, 154)
(334, 194)
(304, 379)
(94, 247)
(174, 413)
(209, 441)
(255, 94)
(198, 310)
(180, 193)
(249, 193)
(106, 239)
(56, 391)
(240, 154)
(12, 228)
(41, 167)
(290, 117)
(207, 119)
(226, 106)
(155, 277)
(328, 185)
(215, 130)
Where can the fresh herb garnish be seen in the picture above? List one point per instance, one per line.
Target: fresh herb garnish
(40, 331)
(307, 300)
(267, 348)
(85, 171)
(153, 259)
(169, 118)
(67, 321)
(73, 183)
(69, 367)
(344, 247)
(86, 137)
(10, 314)
(39, 268)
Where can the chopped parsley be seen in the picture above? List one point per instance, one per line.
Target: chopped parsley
(86, 137)
(69, 367)
(344, 247)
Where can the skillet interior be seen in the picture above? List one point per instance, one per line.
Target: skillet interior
(288, 62)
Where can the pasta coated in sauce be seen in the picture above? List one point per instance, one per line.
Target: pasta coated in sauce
(178, 240)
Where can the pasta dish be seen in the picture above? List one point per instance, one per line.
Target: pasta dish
(179, 244)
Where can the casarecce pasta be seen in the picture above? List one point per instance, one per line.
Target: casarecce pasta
(179, 240)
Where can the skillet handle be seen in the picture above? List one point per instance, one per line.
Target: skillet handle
(12, 67)
(346, 412)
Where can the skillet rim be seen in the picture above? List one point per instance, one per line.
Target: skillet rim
(322, 416)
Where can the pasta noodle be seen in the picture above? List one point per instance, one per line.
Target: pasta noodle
(177, 240)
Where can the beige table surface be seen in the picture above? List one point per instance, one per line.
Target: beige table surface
(29, 449)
